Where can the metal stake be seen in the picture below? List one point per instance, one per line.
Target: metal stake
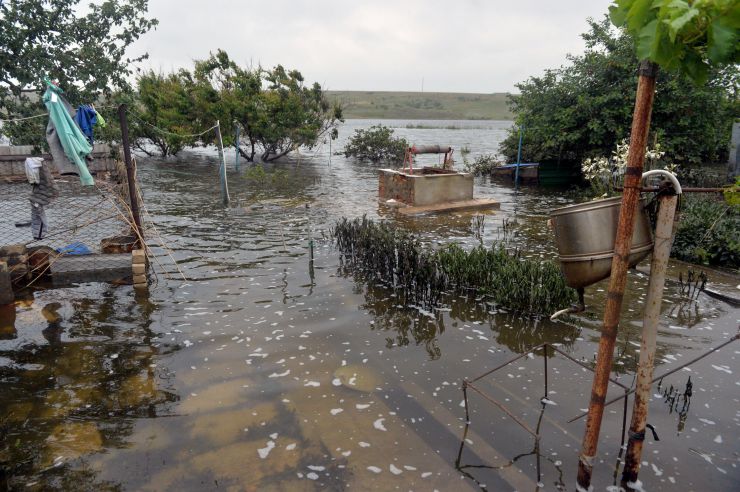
(222, 165)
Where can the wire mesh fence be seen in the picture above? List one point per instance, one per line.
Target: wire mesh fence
(85, 229)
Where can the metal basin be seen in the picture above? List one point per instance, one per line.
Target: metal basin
(585, 236)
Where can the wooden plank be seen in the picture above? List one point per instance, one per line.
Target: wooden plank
(475, 204)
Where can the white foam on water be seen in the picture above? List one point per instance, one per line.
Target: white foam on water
(378, 424)
(374, 469)
(263, 452)
(394, 469)
(279, 375)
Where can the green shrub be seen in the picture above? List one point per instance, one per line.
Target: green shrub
(708, 232)
(375, 144)
(482, 165)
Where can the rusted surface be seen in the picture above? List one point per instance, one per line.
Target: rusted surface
(617, 281)
(392, 185)
(658, 266)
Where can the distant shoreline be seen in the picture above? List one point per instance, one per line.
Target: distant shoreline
(422, 105)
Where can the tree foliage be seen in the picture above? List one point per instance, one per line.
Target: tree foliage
(685, 35)
(85, 54)
(376, 144)
(161, 101)
(275, 111)
(585, 108)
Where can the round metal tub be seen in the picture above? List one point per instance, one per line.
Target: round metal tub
(585, 236)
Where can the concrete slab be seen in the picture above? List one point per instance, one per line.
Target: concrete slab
(475, 204)
(90, 268)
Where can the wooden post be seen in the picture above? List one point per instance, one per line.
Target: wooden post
(658, 266)
(130, 174)
(620, 264)
(6, 285)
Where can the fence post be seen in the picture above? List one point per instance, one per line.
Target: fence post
(222, 165)
(658, 266)
(620, 263)
(6, 287)
(236, 146)
(130, 174)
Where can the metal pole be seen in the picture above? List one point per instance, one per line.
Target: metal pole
(236, 146)
(658, 266)
(519, 155)
(222, 165)
(130, 174)
(618, 279)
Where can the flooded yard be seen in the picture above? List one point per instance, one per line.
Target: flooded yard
(260, 371)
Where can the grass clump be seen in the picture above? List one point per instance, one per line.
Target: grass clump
(397, 259)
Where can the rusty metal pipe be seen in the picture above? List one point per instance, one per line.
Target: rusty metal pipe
(632, 178)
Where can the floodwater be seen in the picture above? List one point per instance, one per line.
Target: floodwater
(257, 371)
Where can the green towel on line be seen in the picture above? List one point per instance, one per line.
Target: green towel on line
(75, 144)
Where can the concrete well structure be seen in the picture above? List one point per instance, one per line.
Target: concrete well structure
(424, 186)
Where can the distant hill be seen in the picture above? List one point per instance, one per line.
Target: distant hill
(422, 105)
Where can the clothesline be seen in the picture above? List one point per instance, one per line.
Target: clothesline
(3, 120)
(10, 120)
(137, 116)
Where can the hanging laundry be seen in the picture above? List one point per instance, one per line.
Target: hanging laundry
(43, 192)
(33, 164)
(67, 144)
(86, 118)
(100, 120)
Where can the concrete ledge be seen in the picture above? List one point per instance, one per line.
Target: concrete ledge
(475, 204)
(13, 157)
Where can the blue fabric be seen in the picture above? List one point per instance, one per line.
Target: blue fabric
(86, 118)
(75, 248)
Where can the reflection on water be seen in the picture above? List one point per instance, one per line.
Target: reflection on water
(265, 371)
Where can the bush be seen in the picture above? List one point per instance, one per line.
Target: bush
(375, 144)
(708, 232)
(482, 165)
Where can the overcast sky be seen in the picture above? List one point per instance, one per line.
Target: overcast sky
(455, 46)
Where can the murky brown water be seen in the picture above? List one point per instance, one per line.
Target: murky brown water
(258, 373)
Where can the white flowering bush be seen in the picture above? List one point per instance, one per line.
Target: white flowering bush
(604, 173)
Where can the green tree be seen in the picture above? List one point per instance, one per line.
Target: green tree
(292, 115)
(162, 102)
(375, 144)
(276, 113)
(585, 108)
(84, 53)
